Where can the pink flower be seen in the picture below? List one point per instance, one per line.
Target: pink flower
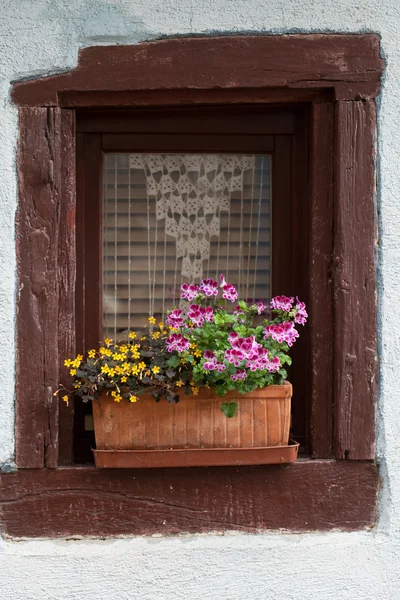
(175, 318)
(208, 354)
(177, 342)
(208, 314)
(239, 375)
(234, 357)
(285, 332)
(282, 303)
(197, 314)
(301, 313)
(274, 364)
(189, 292)
(209, 287)
(210, 365)
(260, 308)
(228, 291)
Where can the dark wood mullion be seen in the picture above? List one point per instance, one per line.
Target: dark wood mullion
(141, 142)
(320, 279)
(244, 119)
(67, 279)
(355, 306)
(89, 270)
(300, 277)
(93, 196)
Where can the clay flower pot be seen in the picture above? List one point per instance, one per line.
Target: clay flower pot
(128, 433)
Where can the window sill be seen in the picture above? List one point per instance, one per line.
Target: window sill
(309, 495)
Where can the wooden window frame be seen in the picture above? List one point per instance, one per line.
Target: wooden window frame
(338, 76)
(280, 132)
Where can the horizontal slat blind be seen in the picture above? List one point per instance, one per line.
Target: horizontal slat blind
(226, 214)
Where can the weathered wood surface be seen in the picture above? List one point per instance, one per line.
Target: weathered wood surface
(37, 259)
(350, 64)
(305, 496)
(355, 343)
(45, 249)
(320, 280)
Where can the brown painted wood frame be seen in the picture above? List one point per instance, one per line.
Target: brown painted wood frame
(338, 76)
(279, 132)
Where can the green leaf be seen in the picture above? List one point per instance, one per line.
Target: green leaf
(229, 409)
(173, 361)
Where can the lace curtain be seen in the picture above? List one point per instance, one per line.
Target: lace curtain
(169, 218)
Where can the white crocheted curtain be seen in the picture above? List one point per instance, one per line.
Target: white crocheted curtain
(169, 218)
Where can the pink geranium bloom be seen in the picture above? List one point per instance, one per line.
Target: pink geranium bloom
(209, 287)
(175, 318)
(260, 307)
(301, 313)
(177, 342)
(282, 303)
(189, 292)
(285, 332)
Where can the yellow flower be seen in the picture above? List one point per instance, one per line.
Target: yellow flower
(114, 393)
(77, 385)
(66, 399)
(135, 369)
(105, 351)
(156, 370)
(152, 320)
(192, 383)
(91, 353)
(124, 379)
(72, 372)
(67, 362)
(179, 383)
(143, 337)
(197, 353)
(108, 341)
(133, 399)
(105, 369)
(111, 372)
(124, 349)
(126, 366)
(142, 365)
(161, 324)
(156, 335)
(195, 391)
(79, 357)
(183, 361)
(132, 335)
(118, 398)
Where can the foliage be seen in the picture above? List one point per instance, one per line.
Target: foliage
(237, 354)
(127, 369)
(206, 345)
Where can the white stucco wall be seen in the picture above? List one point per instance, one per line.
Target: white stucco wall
(43, 36)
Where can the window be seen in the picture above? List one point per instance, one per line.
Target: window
(184, 193)
(333, 79)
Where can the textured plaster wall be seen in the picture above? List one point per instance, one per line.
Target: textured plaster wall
(43, 36)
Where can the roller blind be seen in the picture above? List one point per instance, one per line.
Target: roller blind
(169, 218)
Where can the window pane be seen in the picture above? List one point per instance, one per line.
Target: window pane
(169, 218)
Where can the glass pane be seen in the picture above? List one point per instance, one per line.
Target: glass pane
(169, 218)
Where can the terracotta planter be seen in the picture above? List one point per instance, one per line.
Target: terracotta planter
(195, 423)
